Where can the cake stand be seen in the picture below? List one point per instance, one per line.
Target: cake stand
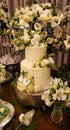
(31, 99)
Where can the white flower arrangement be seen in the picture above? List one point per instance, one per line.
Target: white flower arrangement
(58, 92)
(37, 25)
(4, 17)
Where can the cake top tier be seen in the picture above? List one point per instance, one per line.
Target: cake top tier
(35, 54)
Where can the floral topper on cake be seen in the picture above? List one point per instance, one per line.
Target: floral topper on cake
(4, 17)
(37, 25)
(58, 92)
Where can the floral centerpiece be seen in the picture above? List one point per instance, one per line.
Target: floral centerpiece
(37, 25)
(59, 94)
(4, 17)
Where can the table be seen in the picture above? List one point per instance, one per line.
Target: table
(41, 120)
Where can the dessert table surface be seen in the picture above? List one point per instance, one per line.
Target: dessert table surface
(41, 120)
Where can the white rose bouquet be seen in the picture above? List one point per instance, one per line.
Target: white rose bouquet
(37, 25)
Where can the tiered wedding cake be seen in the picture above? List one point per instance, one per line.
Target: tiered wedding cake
(35, 75)
(37, 28)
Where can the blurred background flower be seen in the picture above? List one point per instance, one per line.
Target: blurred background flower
(4, 17)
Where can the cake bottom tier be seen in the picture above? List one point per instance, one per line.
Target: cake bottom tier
(31, 99)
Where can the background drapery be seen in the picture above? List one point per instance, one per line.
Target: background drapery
(12, 4)
(60, 58)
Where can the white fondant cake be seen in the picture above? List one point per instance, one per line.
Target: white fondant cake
(34, 75)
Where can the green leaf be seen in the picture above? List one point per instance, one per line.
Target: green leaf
(53, 90)
(53, 66)
(63, 105)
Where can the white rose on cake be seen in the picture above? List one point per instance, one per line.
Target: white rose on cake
(44, 62)
(47, 62)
